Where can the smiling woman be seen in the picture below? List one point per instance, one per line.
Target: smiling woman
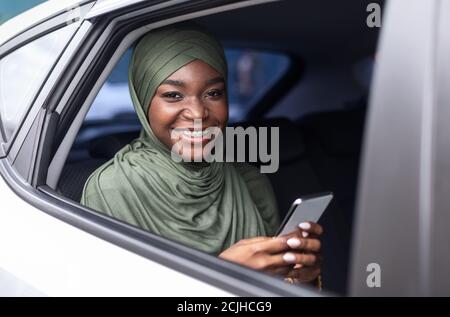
(194, 92)
(177, 75)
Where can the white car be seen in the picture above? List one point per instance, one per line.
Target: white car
(56, 57)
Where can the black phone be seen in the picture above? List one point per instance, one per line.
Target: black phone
(307, 208)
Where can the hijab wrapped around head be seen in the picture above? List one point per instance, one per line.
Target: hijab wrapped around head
(208, 208)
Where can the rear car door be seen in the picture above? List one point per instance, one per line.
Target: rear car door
(57, 247)
(403, 210)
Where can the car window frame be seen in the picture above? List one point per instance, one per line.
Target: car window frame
(210, 269)
(53, 23)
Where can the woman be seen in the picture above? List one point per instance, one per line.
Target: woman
(178, 75)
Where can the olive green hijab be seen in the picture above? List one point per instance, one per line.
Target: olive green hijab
(208, 206)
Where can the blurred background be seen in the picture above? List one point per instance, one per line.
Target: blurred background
(9, 8)
(252, 73)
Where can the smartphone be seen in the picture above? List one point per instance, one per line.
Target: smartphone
(307, 208)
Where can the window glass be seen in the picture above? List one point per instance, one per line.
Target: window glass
(22, 73)
(251, 75)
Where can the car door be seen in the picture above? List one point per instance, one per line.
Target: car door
(55, 246)
(42, 255)
(401, 232)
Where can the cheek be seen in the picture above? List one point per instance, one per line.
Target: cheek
(220, 112)
(160, 118)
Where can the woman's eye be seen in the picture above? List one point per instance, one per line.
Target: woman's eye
(214, 93)
(172, 95)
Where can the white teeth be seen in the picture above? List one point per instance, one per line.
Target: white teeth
(197, 133)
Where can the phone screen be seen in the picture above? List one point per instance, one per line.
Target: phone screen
(308, 208)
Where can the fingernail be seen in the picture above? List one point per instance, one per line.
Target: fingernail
(305, 234)
(294, 243)
(305, 225)
(289, 257)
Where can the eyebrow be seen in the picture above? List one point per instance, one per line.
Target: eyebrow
(173, 82)
(215, 80)
(181, 83)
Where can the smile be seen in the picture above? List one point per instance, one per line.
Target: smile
(197, 134)
(192, 135)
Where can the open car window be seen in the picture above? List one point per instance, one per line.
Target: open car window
(319, 117)
(94, 118)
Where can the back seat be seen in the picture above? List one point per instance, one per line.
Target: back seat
(296, 177)
(333, 141)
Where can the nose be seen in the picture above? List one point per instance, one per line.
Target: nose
(195, 110)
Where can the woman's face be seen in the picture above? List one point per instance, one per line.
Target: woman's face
(194, 93)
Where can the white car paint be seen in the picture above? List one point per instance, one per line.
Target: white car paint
(41, 255)
(34, 16)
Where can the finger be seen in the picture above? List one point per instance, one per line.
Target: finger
(271, 246)
(300, 233)
(292, 258)
(296, 271)
(293, 234)
(281, 271)
(304, 234)
(294, 241)
(306, 274)
(308, 245)
(311, 228)
(253, 240)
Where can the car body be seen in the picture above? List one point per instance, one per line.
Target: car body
(51, 245)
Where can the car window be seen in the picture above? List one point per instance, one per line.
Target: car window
(320, 119)
(251, 74)
(22, 73)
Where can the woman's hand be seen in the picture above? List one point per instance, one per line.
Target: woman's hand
(303, 273)
(280, 255)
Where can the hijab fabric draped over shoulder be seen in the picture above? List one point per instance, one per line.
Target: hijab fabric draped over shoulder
(209, 207)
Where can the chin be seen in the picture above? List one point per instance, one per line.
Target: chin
(193, 154)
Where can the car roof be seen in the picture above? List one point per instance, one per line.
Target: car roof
(323, 30)
(35, 15)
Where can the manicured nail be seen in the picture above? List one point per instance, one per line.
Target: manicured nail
(289, 257)
(305, 234)
(305, 225)
(294, 243)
